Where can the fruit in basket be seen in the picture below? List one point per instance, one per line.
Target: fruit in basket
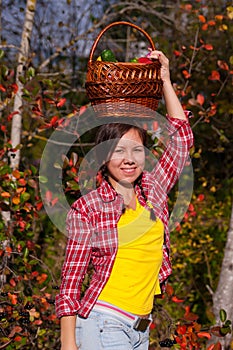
(144, 60)
(134, 60)
(108, 56)
(99, 58)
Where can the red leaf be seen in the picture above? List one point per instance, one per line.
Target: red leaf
(38, 322)
(155, 125)
(177, 300)
(82, 109)
(39, 205)
(189, 316)
(223, 65)
(188, 7)
(14, 88)
(211, 23)
(205, 26)
(11, 115)
(200, 197)
(12, 282)
(210, 347)
(214, 75)
(54, 201)
(177, 53)
(202, 18)
(16, 174)
(181, 330)
(219, 17)
(152, 326)
(13, 298)
(22, 182)
(204, 335)
(18, 338)
(169, 290)
(53, 121)
(41, 278)
(191, 207)
(200, 99)
(217, 346)
(34, 273)
(48, 196)
(61, 102)
(3, 128)
(208, 47)
(186, 74)
(2, 88)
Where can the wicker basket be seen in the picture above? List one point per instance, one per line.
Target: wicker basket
(112, 87)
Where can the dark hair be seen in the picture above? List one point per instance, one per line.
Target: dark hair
(113, 132)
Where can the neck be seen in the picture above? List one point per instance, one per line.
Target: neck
(127, 191)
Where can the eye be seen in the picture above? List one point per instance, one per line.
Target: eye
(118, 150)
(139, 149)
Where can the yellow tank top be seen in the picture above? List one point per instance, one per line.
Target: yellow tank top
(134, 278)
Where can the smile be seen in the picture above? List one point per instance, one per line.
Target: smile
(129, 170)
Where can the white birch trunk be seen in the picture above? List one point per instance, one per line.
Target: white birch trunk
(22, 61)
(223, 296)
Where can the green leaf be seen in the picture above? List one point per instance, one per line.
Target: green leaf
(57, 166)
(43, 179)
(33, 262)
(31, 72)
(223, 315)
(1, 54)
(42, 332)
(225, 330)
(73, 185)
(25, 197)
(22, 79)
(26, 92)
(4, 70)
(33, 169)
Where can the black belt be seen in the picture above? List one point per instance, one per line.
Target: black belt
(142, 324)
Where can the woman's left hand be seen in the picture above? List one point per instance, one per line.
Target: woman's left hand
(165, 72)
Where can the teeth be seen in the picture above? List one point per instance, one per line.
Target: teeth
(128, 170)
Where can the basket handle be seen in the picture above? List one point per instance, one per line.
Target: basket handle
(116, 24)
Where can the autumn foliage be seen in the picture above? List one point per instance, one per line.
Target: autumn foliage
(30, 261)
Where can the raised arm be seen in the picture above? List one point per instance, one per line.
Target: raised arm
(172, 161)
(173, 105)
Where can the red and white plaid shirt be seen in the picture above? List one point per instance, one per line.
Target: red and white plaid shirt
(92, 225)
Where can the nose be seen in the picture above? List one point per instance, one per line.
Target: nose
(129, 158)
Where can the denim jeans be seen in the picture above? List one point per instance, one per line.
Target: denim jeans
(102, 331)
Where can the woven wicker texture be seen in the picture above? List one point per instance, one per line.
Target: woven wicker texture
(122, 82)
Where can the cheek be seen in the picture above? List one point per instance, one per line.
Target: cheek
(113, 164)
(141, 160)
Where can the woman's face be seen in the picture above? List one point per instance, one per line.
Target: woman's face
(128, 159)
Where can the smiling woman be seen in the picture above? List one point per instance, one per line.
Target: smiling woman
(121, 228)
(125, 163)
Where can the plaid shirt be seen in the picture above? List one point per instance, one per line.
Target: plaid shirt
(92, 225)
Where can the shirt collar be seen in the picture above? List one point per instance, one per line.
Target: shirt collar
(106, 191)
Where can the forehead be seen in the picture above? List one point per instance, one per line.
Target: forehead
(131, 137)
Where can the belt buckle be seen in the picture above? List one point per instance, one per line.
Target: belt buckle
(142, 324)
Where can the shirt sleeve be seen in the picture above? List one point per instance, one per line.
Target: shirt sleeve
(173, 159)
(78, 253)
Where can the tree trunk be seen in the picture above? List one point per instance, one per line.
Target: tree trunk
(22, 62)
(223, 296)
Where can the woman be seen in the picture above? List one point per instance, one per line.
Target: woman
(121, 228)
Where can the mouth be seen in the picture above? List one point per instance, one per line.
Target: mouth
(128, 171)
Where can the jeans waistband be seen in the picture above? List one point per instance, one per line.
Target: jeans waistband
(137, 322)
